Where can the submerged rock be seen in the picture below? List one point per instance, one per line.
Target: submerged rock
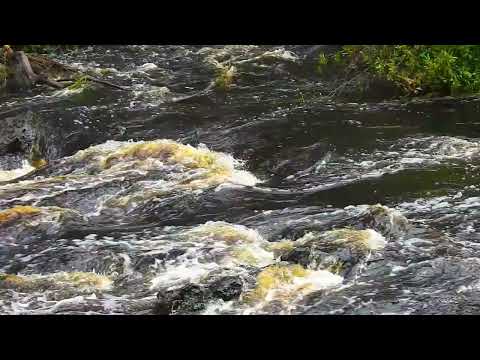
(338, 251)
(17, 133)
(279, 288)
(144, 262)
(17, 212)
(227, 288)
(28, 137)
(26, 223)
(78, 280)
(187, 299)
(387, 221)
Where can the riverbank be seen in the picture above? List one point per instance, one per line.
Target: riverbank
(403, 70)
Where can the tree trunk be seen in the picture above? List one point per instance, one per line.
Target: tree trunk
(20, 75)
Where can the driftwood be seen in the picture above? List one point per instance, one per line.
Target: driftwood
(43, 79)
(41, 64)
(25, 71)
(103, 82)
(106, 83)
(20, 75)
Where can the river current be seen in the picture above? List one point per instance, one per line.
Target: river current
(269, 197)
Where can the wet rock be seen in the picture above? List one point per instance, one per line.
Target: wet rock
(174, 253)
(227, 288)
(28, 136)
(148, 260)
(56, 286)
(299, 255)
(339, 251)
(280, 287)
(17, 213)
(312, 52)
(388, 222)
(280, 71)
(435, 286)
(17, 133)
(292, 233)
(193, 298)
(83, 200)
(27, 224)
(188, 299)
(369, 88)
(49, 259)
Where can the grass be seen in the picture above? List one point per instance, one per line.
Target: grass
(3, 74)
(80, 83)
(225, 77)
(416, 69)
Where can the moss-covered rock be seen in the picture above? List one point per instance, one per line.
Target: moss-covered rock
(17, 212)
(281, 247)
(57, 285)
(26, 223)
(387, 221)
(338, 251)
(225, 77)
(281, 286)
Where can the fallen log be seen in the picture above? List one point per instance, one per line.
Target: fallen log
(24, 71)
(43, 79)
(93, 79)
(41, 64)
(106, 83)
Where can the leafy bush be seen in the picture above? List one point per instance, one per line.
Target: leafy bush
(418, 69)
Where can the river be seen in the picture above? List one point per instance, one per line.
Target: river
(268, 197)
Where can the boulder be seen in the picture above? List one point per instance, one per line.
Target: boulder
(192, 298)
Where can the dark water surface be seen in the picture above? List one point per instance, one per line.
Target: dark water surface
(267, 198)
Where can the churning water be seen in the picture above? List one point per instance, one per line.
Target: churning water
(268, 197)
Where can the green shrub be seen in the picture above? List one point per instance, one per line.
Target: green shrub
(418, 69)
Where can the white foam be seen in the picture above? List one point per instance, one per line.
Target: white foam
(375, 240)
(7, 175)
(147, 67)
(188, 271)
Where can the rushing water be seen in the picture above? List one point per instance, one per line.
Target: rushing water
(267, 198)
